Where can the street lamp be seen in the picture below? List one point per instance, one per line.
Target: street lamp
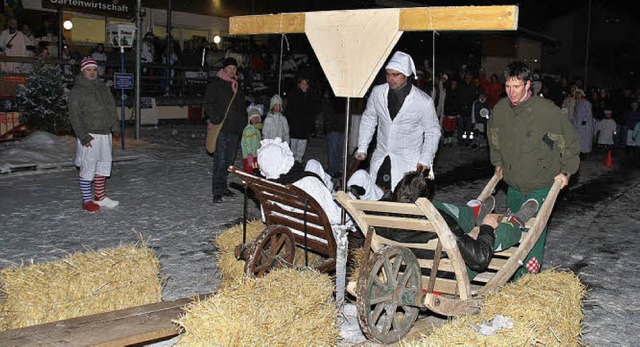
(67, 25)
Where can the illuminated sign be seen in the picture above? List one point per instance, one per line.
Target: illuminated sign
(109, 8)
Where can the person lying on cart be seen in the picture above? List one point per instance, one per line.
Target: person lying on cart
(494, 236)
(276, 163)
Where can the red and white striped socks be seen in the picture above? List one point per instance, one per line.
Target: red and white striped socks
(99, 183)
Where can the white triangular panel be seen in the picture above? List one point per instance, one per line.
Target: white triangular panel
(351, 46)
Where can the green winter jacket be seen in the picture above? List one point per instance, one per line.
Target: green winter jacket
(250, 141)
(92, 109)
(532, 142)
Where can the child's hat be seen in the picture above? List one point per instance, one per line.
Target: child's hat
(254, 111)
(87, 62)
(275, 100)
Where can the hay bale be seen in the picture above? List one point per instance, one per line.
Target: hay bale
(80, 284)
(232, 269)
(356, 255)
(226, 242)
(546, 310)
(285, 308)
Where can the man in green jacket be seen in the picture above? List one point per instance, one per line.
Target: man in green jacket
(92, 112)
(531, 144)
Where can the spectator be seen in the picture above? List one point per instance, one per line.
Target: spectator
(225, 103)
(148, 52)
(468, 94)
(302, 108)
(26, 30)
(100, 56)
(606, 129)
(251, 138)
(494, 90)
(275, 124)
(334, 112)
(583, 122)
(631, 118)
(13, 43)
(92, 112)
(451, 114)
(479, 117)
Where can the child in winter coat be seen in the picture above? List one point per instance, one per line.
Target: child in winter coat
(606, 129)
(479, 117)
(276, 125)
(251, 138)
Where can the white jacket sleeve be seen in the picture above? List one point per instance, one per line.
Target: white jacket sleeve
(431, 132)
(368, 124)
(286, 130)
(269, 128)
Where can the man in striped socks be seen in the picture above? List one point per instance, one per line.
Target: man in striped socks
(92, 111)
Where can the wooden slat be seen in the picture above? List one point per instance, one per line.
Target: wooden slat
(431, 245)
(506, 253)
(398, 222)
(443, 285)
(310, 216)
(314, 244)
(116, 328)
(459, 18)
(484, 276)
(411, 19)
(387, 207)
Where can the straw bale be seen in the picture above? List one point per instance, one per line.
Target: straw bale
(287, 307)
(546, 310)
(356, 256)
(230, 268)
(80, 284)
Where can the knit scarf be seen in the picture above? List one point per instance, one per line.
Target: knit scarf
(529, 95)
(225, 77)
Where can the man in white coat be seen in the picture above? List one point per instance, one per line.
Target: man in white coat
(408, 128)
(13, 43)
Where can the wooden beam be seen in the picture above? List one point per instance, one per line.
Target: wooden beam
(458, 18)
(116, 328)
(283, 23)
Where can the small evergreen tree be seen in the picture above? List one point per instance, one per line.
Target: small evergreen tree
(43, 100)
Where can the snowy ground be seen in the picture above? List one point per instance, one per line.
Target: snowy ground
(163, 183)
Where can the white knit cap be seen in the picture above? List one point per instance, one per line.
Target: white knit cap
(274, 158)
(402, 62)
(275, 100)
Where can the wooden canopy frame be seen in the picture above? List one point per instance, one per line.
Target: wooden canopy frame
(352, 45)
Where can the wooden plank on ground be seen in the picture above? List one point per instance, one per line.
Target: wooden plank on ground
(116, 328)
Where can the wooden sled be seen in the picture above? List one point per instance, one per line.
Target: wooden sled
(294, 219)
(394, 285)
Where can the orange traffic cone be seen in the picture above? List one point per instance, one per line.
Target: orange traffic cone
(608, 162)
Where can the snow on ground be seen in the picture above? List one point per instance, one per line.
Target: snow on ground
(163, 183)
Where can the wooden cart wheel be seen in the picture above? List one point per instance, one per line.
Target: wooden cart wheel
(273, 248)
(390, 273)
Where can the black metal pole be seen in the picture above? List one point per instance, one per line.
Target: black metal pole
(59, 33)
(169, 47)
(138, 65)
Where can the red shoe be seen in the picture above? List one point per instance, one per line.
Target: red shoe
(91, 207)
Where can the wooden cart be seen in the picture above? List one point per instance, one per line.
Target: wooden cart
(294, 219)
(394, 285)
